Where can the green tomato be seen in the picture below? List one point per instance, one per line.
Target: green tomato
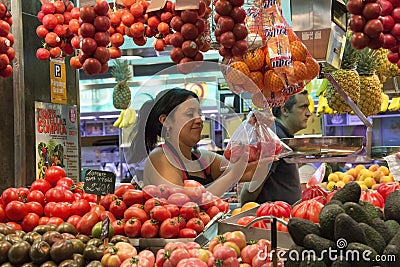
(96, 230)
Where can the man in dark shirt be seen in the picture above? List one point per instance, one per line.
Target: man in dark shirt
(283, 182)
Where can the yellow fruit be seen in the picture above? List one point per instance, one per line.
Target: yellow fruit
(249, 205)
(331, 186)
(384, 169)
(359, 167)
(333, 177)
(373, 167)
(386, 179)
(369, 182)
(364, 187)
(236, 211)
(352, 172)
(375, 186)
(347, 178)
(340, 184)
(340, 175)
(377, 175)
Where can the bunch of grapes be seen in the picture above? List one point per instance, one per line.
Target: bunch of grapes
(55, 18)
(7, 53)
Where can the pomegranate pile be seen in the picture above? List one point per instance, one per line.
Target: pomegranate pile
(7, 53)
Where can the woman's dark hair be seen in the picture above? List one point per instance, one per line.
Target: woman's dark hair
(148, 127)
(277, 112)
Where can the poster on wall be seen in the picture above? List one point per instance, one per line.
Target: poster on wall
(57, 136)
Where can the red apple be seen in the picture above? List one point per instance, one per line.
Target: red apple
(387, 22)
(388, 40)
(357, 23)
(386, 7)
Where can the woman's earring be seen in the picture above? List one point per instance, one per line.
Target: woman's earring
(167, 135)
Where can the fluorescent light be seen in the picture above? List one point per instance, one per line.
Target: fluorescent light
(109, 116)
(88, 117)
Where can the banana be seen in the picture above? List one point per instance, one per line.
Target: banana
(385, 102)
(132, 119)
(125, 120)
(321, 105)
(395, 104)
(322, 87)
(122, 118)
(119, 120)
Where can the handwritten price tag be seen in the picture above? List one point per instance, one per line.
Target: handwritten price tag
(99, 182)
(394, 165)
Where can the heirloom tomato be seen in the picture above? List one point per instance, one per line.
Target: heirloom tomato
(386, 188)
(308, 210)
(372, 196)
(279, 209)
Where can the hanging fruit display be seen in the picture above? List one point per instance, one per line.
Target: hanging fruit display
(54, 30)
(7, 53)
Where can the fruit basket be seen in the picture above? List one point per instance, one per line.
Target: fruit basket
(229, 225)
(324, 146)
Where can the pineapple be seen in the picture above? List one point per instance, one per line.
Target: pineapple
(347, 77)
(384, 68)
(122, 92)
(370, 86)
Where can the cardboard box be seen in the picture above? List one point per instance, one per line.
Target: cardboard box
(316, 42)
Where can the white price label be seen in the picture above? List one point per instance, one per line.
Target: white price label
(83, 3)
(394, 165)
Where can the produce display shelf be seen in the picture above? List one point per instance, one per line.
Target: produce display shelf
(155, 244)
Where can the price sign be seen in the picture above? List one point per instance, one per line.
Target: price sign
(58, 81)
(99, 182)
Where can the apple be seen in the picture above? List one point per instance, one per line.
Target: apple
(388, 40)
(386, 7)
(387, 22)
(357, 23)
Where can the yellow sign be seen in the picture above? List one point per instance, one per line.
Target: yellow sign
(58, 84)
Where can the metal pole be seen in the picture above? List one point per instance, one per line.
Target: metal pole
(19, 96)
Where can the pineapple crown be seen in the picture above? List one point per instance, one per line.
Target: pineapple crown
(121, 71)
(368, 61)
(351, 56)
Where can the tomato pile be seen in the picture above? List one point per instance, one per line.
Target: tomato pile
(231, 32)
(54, 30)
(7, 53)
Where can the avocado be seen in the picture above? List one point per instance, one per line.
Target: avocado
(392, 206)
(320, 245)
(312, 263)
(380, 226)
(327, 219)
(392, 256)
(356, 212)
(372, 211)
(348, 229)
(341, 263)
(373, 238)
(395, 240)
(292, 256)
(298, 228)
(351, 192)
(393, 226)
(360, 255)
(337, 202)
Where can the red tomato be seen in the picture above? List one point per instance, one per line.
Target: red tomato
(312, 192)
(41, 185)
(223, 253)
(133, 196)
(386, 188)
(373, 197)
(178, 199)
(108, 214)
(180, 221)
(132, 228)
(159, 213)
(135, 212)
(30, 221)
(195, 224)
(22, 193)
(245, 220)
(80, 207)
(97, 208)
(118, 227)
(177, 255)
(169, 229)
(192, 245)
(89, 197)
(53, 174)
(149, 255)
(3, 217)
(62, 210)
(164, 190)
(65, 181)
(77, 188)
(137, 261)
(212, 211)
(150, 204)
(278, 209)
(48, 208)
(236, 237)
(254, 153)
(119, 192)
(8, 195)
(173, 209)
(69, 196)
(36, 196)
(222, 205)
(191, 262)
(14, 225)
(308, 210)
(54, 195)
(118, 207)
(55, 220)
(204, 217)
(248, 252)
(87, 222)
(106, 200)
(151, 191)
(189, 210)
(16, 210)
(35, 207)
(43, 220)
(74, 220)
(149, 229)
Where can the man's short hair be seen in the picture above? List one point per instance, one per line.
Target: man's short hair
(277, 112)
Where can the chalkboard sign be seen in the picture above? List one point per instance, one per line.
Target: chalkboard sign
(99, 182)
